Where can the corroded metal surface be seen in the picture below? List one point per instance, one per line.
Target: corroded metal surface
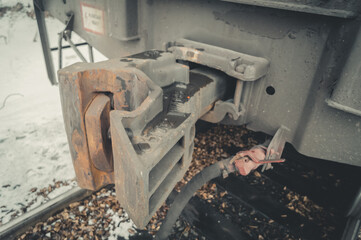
(148, 163)
(132, 130)
(79, 85)
(97, 127)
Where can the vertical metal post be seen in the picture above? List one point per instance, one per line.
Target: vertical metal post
(74, 47)
(238, 93)
(91, 56)
(60, 49)
(40, 19)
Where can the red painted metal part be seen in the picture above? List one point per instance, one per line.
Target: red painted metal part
(246, 161)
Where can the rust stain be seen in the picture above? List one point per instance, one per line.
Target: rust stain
(80, 84)
(97, 124)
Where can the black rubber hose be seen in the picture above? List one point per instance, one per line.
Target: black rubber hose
(187, 192)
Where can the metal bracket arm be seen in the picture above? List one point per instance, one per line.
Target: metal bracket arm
(246, 161)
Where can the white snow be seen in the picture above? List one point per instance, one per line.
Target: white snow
(58, 191)
(33, 146)
(81, 208)
(122, 225)
(10, 3)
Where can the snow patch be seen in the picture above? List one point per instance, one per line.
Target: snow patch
(122, 225)
(33, 145)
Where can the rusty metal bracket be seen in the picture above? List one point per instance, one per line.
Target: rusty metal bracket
(150, 157)
(150, 103)
(246, 161)
(97, 127)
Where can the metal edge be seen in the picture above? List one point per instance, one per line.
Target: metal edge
(19, 225)
(298, 8)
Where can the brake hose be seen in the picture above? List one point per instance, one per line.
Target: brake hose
(207, 174)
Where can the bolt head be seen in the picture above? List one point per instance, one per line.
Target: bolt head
(241, 68)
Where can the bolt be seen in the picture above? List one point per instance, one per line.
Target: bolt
(241, 68)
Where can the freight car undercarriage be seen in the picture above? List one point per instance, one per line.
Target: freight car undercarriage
(130, 121)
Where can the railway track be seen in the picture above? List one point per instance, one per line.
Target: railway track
(41, 213)
(303, 198)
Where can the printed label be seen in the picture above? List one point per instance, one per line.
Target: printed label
(93, 19)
